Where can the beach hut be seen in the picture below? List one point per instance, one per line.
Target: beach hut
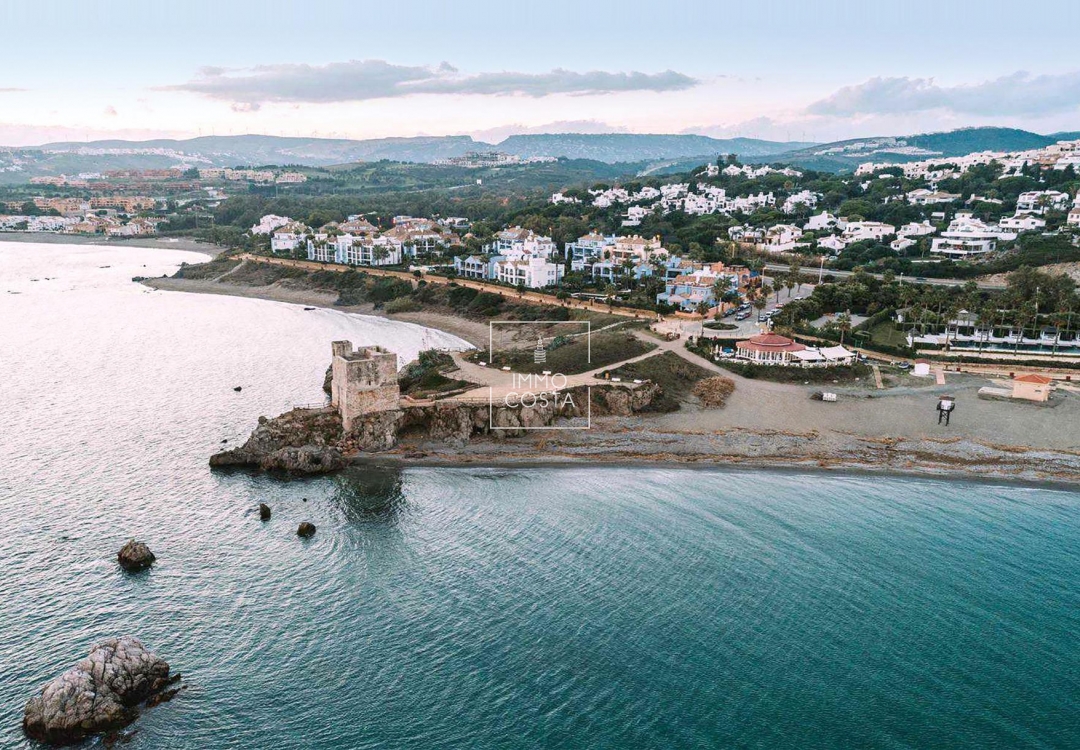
(1032, 387)
(921, 369)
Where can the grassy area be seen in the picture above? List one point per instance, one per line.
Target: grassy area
(675, 376)
(821, 375)
(210, 270)
(886, 334)
(572, 355)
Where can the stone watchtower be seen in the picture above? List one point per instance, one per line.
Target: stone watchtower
(363, 381)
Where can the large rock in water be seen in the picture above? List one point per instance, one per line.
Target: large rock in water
(135, 556)
(98, 694)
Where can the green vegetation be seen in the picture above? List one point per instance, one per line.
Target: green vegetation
(570, 356)
(819, 375)
(675, 376)
(427, 377)
(209, 270)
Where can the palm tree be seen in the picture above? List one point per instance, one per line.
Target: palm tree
(843, 322)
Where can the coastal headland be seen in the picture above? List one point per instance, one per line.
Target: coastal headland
(763, 423)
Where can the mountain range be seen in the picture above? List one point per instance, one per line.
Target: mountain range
(639, 152)
(251, 150)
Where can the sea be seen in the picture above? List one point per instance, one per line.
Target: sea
(565, 607)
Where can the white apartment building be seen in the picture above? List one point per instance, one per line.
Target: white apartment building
(1022, 223)
(1041, 201)
(916, 229)
(269, 223)
(858, 231)
(516, 243)
(368, 251)
(799, 200)
(965, 236)
(924, 197)
(534, 272)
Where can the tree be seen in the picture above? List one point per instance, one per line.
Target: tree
(843, 322)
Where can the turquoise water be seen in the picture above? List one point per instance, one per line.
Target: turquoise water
(584, 607)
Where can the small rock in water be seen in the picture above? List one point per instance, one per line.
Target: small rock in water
(264, 512)
(305, 499)
(135, 556)
(99, 694)
(306, 530)
(225, 440)
(238, 388)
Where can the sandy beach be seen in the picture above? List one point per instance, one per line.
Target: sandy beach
(770, 424)
(167, 243)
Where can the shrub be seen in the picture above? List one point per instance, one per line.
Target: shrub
(403, 305)
(714, 391)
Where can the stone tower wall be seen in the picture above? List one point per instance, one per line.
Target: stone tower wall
(363, 381)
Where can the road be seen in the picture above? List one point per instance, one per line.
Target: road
(811, 271)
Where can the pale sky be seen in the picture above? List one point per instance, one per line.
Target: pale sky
(821, 70)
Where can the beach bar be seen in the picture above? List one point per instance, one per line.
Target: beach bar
(774, 349)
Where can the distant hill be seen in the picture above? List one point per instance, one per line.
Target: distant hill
(663, 152)
(847, 155)
(623, 147)
(256, 150)
(253, 150)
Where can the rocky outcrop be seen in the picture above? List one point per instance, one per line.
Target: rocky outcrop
(135, 556)
(312, 440)
(305, 529)
(98, 694)
(302, 440)
(264, 512)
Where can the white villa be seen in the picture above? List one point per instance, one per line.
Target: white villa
(1040, 201)
(966, 236)
(821, 221)
(857, 231)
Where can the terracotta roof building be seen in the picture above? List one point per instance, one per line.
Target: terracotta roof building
(768, 349)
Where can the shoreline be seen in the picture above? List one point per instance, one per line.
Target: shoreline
(474, 332)
(160, 243)
(766, 425)
(391, 461)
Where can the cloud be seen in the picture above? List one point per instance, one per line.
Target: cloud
(245, 106)
(361, 80)
(11, 90)
(110, 111)
(1019, 93)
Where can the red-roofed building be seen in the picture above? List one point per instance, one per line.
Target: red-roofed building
(768, 349)
(1032, 387)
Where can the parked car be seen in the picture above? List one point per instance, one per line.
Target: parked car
(763, 318)
(742, 316)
